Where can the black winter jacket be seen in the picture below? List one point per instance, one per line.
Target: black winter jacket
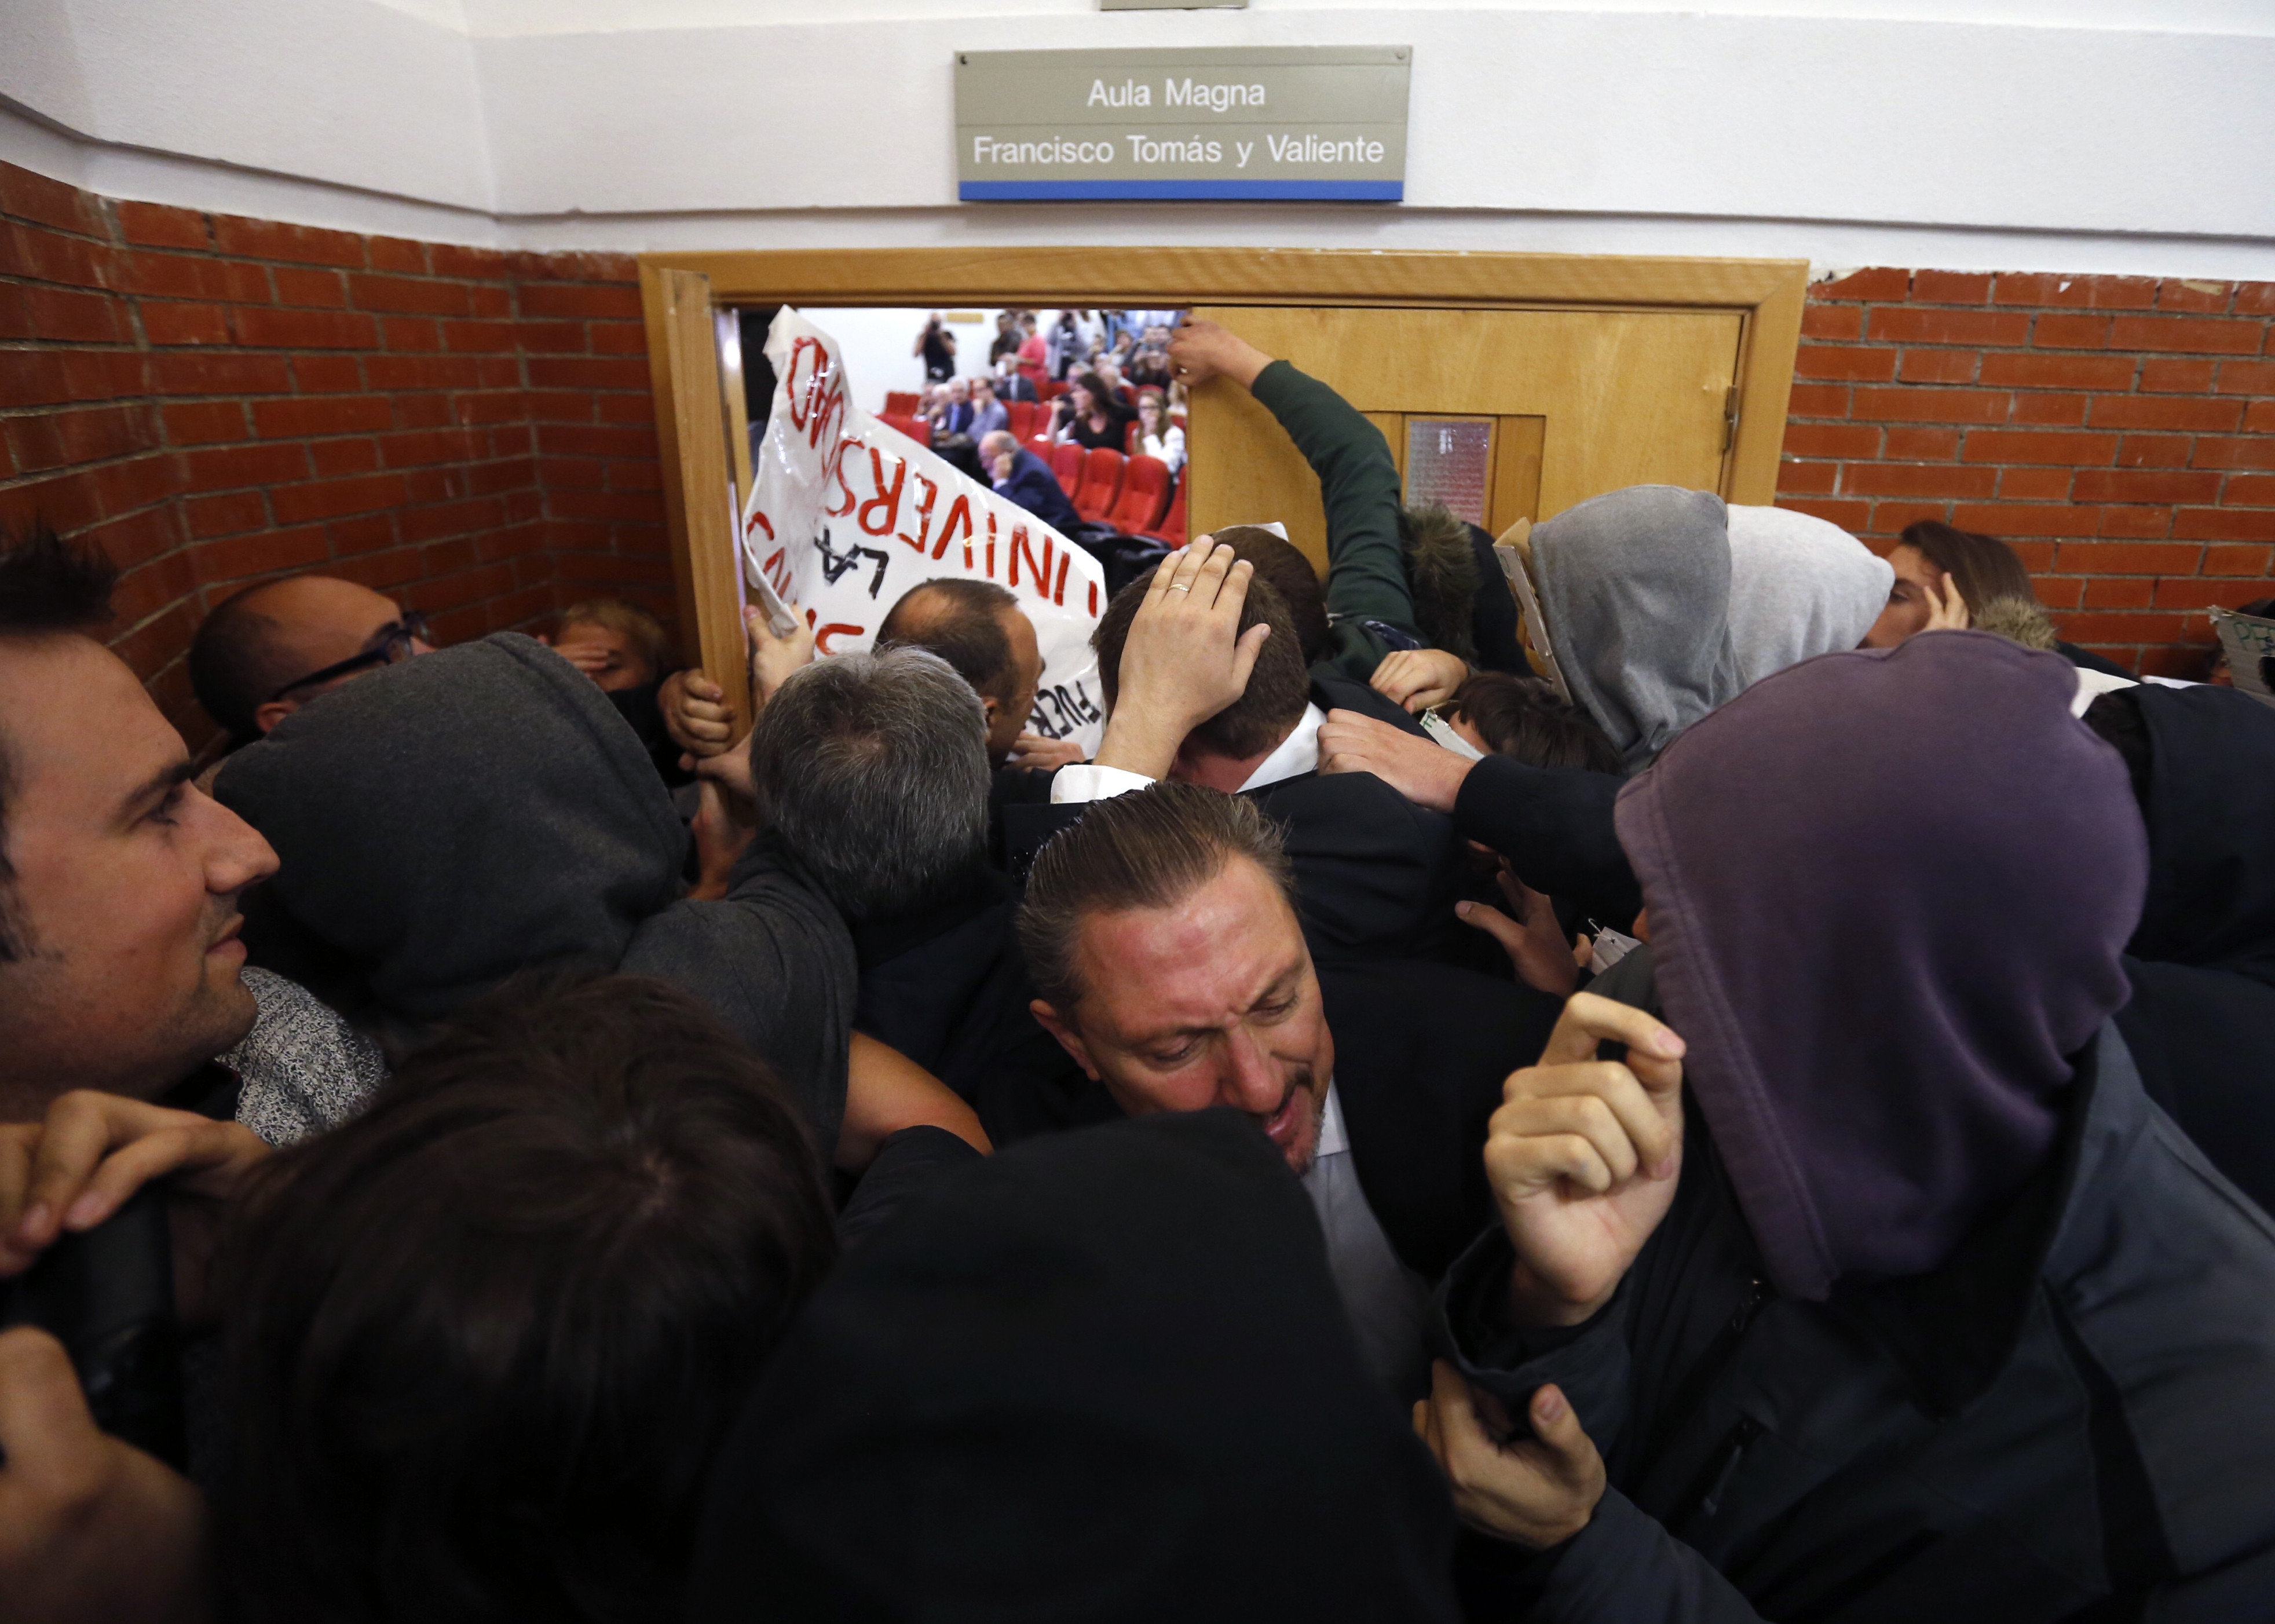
(2073, 1419)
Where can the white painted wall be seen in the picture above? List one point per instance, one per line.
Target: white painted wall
(2083, 135)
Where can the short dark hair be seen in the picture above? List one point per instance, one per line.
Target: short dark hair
(1279, 560)
(1522, 717)
(49, 587)
(963, 623)
(1149, 849)
(1983, 568)
(237, 661)
(486, 1334)
(1278, 688)
(873, 770)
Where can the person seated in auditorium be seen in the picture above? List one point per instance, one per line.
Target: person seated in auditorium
(2202, 960)
(1018, 475)
(1091, 415)
(978, 628)
(1012, 382)
(1049, 1320)
(1205, 683)
(1158, 437)
(1866, 1290)
(120, 972)
(516, 1303)
(987, 413)
(864, 786)
(951, 413)
(271, 648)
(1948, 578)
(1162, 936)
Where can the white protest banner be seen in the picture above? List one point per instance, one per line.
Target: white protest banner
(847, 514)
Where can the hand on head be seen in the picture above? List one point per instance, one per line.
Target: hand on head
(1186, 658)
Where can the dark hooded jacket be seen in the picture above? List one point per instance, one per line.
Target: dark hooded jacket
(1100, 1378)
(447, 821)
(1947, 1319)
(2202, 963)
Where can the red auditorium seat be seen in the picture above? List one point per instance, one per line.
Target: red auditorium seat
(915, 428)
(1066, 461)
(1102, 483)
(1022, 414)
(899, 402)
(1145, 486)
(1051, 390)
(1172, 527)
(1133, 438)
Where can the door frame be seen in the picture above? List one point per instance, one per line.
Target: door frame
(695, 435)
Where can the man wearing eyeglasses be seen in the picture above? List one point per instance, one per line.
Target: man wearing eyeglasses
(272, 648)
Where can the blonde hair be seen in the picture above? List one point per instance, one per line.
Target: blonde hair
(645, 632)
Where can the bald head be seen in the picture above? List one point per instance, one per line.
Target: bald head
(997, 442)
(978, 628)
(268, 637)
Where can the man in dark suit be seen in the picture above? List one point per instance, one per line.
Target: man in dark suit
(1204, 677)
(1024, 478)
(1162, 936)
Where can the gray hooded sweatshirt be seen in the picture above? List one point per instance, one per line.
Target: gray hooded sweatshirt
(1635, 586)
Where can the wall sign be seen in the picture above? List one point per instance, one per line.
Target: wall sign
(1295, 122)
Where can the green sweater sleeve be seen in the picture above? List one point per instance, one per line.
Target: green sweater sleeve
(1358, 488)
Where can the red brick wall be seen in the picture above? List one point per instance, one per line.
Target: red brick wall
(216, 399)
(2119, 430)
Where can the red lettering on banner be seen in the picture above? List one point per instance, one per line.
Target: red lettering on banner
(1058, 593)
(838, 471)
(1094, 601)
(960, 508)
(924, 516)
(759, 519)
(806, 398)
(1022, 547)
(821, 637)
(991, 544)
(889, 500)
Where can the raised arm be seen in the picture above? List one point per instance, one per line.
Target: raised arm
(1358, 486)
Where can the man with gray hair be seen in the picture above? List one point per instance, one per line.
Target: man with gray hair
(1162, 937)
(870, 777)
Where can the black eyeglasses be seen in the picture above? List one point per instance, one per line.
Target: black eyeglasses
(391, 644)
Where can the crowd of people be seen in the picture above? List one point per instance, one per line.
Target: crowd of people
(1737, 1092)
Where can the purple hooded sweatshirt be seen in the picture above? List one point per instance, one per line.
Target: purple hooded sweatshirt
(1887, 893)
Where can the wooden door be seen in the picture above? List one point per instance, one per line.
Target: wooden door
(1573, 404)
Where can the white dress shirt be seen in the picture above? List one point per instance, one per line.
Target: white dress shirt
(1297, 754)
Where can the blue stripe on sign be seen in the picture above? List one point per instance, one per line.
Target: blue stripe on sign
(1314, 191)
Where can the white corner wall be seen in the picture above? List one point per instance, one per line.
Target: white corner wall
(2073, 135)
